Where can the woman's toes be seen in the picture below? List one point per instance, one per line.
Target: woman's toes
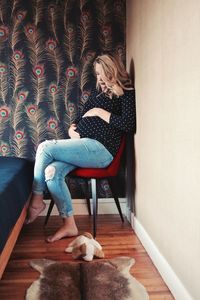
(62, 233)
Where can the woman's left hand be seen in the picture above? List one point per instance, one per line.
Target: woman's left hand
(93, 112)
(98, 112)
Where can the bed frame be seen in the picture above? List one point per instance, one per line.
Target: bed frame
(15, 190)
(8, 248)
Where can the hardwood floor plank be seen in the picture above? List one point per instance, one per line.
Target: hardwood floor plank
(117, 239)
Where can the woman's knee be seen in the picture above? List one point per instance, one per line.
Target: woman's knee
(56, 171)
(50, 172)
(41, 147)
(45, 146)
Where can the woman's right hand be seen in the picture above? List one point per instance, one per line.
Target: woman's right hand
(72, 133)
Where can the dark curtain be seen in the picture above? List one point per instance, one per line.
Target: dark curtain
(46, 53)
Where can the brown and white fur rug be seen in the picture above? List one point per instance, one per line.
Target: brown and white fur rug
(98, 280)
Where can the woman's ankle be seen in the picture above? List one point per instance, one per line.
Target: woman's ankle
(69, 221)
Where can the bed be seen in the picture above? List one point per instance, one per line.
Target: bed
(16, 175)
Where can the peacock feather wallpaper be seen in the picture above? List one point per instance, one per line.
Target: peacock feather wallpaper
(47, 50)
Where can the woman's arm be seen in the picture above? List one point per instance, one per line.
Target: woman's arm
(124, 121)
(98, 112)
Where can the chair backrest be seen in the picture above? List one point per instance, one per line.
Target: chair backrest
(109, 171)
(113, 168)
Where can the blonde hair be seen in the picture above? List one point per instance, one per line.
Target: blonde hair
(114, 74)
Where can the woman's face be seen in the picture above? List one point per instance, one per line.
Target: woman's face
(99, 72)
(102, 80)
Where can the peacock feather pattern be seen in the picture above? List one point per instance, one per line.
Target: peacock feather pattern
(70, 30)
(69, 84)
(39, 11)
(4, 122)
(15, 6)
(18, 70)
(55, 57)
(3, 81)
(19, 142)
(36, 119)
(53, 16)
(105, 16)
(70, 42)
(36, 54)
(47, 49)
(118, 9)
(3, 11)
(66, 10)
(86, 30)
(86, 69)
(19, 138)
(4, 149)
(82, 4)
(54, 98)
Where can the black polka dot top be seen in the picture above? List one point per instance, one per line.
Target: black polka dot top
(122, 119)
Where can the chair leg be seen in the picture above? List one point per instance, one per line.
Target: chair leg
(88, 206)
(49, 212)
(95, 201)
(88, 196)
(115, 196)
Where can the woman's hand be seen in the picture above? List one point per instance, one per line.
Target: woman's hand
(93, 112)
(103, 86)
(98, 112)
(72, 133)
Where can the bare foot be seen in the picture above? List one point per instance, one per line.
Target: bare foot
(69, 229)
(34, 211)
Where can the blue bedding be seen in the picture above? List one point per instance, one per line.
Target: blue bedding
(16, 175)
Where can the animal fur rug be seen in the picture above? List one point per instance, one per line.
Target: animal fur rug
(98, 280)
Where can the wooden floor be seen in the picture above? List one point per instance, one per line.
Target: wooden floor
(116, 238)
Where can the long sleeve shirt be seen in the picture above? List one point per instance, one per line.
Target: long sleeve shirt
(122, 119)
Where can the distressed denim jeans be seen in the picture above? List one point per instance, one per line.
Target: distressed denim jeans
(56, 158)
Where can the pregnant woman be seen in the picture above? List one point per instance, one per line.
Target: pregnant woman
(94, 139)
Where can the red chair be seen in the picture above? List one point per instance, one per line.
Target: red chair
(94, 174)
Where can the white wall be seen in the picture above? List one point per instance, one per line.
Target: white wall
(163, 41)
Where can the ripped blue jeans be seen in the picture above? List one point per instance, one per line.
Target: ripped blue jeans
(56, 158)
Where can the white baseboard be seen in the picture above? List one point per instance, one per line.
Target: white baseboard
(105, 206)
(173, 282)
